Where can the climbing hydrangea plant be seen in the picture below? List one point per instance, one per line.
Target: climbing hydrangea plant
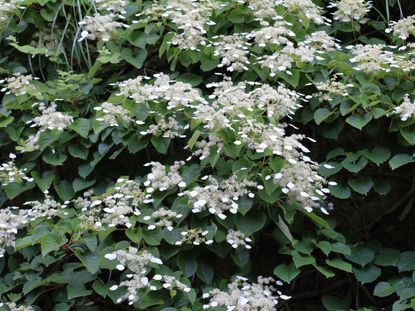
(163, 155)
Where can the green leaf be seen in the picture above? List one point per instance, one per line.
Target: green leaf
(387, 257)
(77, 289)
(48, 137)
(327, 172)
(407, 261)
(323, 270)
(383, 289)
(13, 189)
(354, 166)
(358, 121)
(80, 184)
(187, 264)
(382, 186)
(321, 114)
(361, 184)
(208, 64)
(361, 255)
(54, 158)
(191, 173)
(250, 223)
(377, 155)
(136, 144)
(51, 242)
(400, 159)
(333, 303)
(192, 79)
(82, 126)
(100, 287)
(205, 272)
(367, 274)
(409, 134)
(137, 59)
(340, 191)
(341, 248)
(284, 229)
(44, 181)
(84, 170)
(78, 151)
(287, 273)
(193, 139)
(325, 246)
(138, 39)
(90, 261)
(64, 189)
(300, 261)
(161, 144)
(339, 264)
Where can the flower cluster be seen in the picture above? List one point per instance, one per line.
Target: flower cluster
(233, 100)
(306, 51)
(204, 146)
(162, 218)
(138, 264)
(263, 10)
(404, 27)
(302, 183)
(176, 94)
(233, 51)
(12, 219)
(47, 208)
(351, 10)
(328, 89)
(194, 236)
(170, 282)
(14, 307)
(237, 238)
(406, 109)
(113, 207)
(10, 173)
(163, 178)
(372, 58)
(306, 7)
(48, 120)
(99, 27)
(111, 114)
(6, 8)
(19, 84)
(45, 40)
(190, 18)
(276, 34)
(115, 6)
(219, 197)
(169, 128)
(242, 295)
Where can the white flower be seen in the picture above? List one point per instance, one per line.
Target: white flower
(6, 9)
(99, 27)
(242, 295)
(237, 238)
(110, 256)
(406, 109)
(19, 84)
(351, 10)
(111, 114)
(404, 27)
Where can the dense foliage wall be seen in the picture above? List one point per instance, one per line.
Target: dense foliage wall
(220, 155)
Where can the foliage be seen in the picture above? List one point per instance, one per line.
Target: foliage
(152, 156)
